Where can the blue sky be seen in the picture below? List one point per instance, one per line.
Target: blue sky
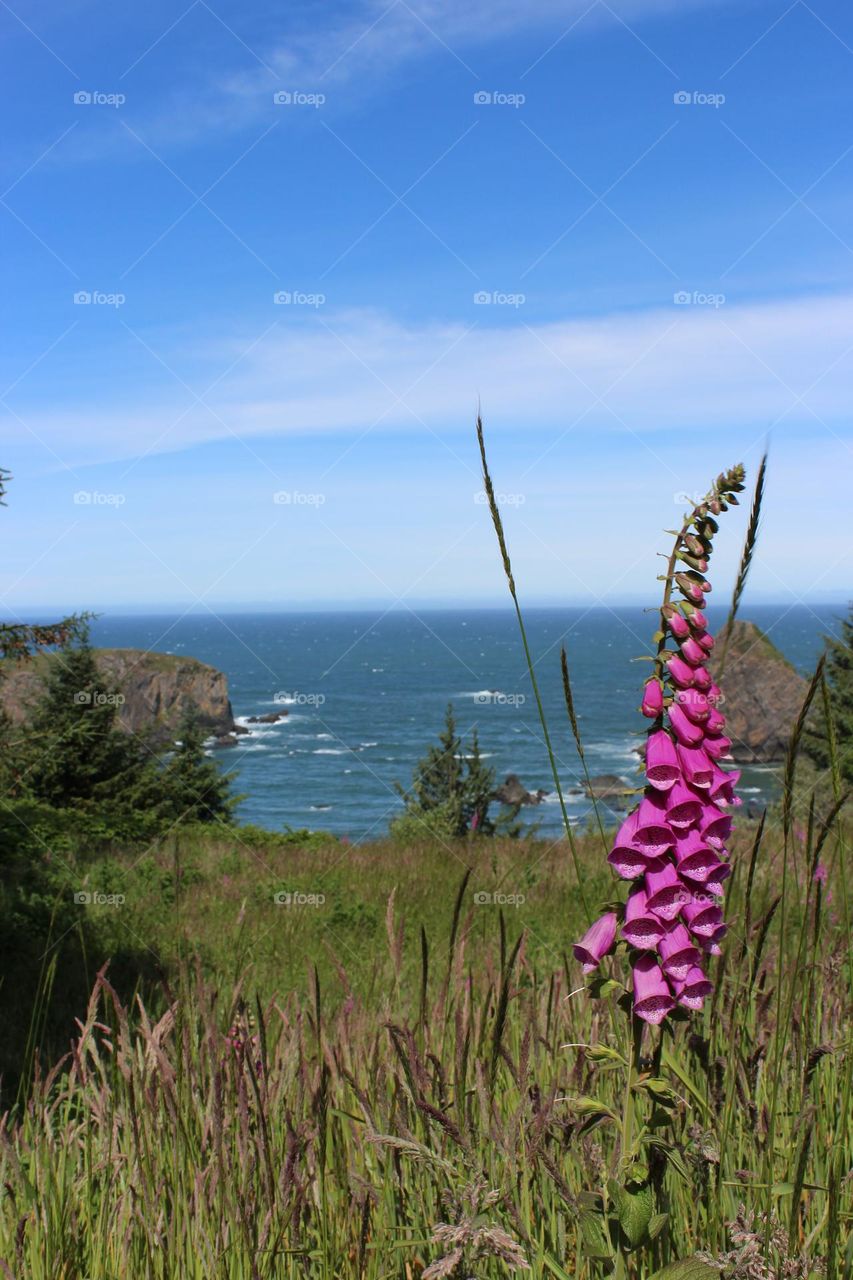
(625, 228)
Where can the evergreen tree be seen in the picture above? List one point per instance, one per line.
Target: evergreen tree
(450, 792)
(192, 786)
(78, 757)
(839, 678)
(478, 786)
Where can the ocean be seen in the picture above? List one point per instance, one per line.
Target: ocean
(366, 694)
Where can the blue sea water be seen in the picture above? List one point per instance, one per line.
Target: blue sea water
(366, 693)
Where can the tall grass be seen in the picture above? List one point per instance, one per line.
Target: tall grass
(297, 1136)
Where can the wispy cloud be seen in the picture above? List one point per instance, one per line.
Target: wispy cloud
(356, 53)
(683, 367)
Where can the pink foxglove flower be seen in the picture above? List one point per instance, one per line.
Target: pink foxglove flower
(625, 858)
(640, 927)
(683, 808)
(693, 990)
(652, 704)
(662, 767)
(694, 704)
(686, 732)
(653, 835)
(717, 748)
(693, 652)
(678, 952)
(678, 624)
(672, 846)
(653, 998)
(697, 769)
(716, 827)
(596, 942)
(667, 894)
(680, 672)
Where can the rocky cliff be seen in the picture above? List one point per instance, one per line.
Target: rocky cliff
(763, 695)
(156, 689)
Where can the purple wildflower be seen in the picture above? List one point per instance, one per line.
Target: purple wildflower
(596, 942)
(672, 845)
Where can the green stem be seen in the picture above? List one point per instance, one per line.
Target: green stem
(630, 1077)
(499, 530)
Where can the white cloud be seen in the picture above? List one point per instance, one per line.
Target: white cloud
(680, 367)
(361, 52)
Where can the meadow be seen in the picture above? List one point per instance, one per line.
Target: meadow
(419, 1084)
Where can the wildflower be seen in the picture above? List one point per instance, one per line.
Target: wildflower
(687, 733)
(693, 990)
(653, 998)
(672, 845)
(662, 768)
(653, 836)
(678, 952)
(684, 808)
(641, 928)
(596, 942)
(652, 704)
(667, 892)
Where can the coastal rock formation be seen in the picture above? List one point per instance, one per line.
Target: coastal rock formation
(763, 695)
(512, 791)
(609, 787)
(156, 688)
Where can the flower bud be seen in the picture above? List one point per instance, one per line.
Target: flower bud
(652, 704)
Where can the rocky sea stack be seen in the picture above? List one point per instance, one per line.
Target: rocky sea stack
(156, 690)
(763, 694)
